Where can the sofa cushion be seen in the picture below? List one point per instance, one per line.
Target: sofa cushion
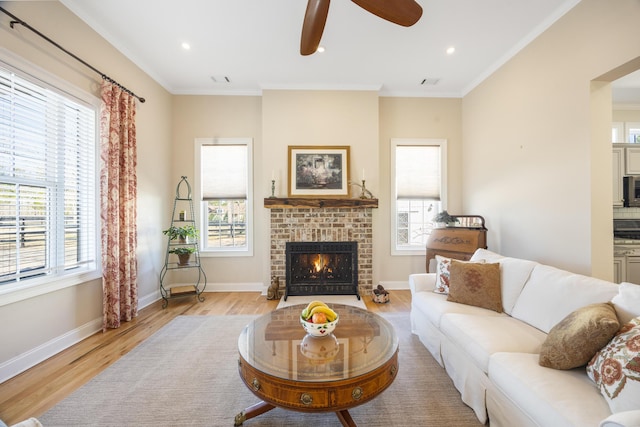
(548, 397)
(476, 284)
(443, 274)
(627, 302)
(579, 336)
(551, 294)
(481, 336)
(616, 369)
(434, 306)
(514, 274)
(486, 255)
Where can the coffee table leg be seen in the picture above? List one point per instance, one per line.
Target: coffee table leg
(252, 411)
(345, 418)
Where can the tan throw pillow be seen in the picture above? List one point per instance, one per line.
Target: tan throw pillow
(616, 369)
(475, 284)
(580, 335)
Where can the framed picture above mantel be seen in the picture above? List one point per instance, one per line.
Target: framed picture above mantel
(319, 171)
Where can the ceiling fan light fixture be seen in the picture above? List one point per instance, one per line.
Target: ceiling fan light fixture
(451, 50)
(320, 49)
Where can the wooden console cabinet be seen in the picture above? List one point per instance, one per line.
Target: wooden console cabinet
(455, 242)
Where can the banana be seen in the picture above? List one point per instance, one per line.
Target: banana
(306, 313)
(331, 315)
(313, 304)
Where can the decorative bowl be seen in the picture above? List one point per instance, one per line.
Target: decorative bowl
(319, 350)
(319, 329)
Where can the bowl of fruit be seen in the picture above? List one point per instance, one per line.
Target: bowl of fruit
(318, 319)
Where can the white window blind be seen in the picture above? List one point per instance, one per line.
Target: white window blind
(418, 172)
(47, 180)
(224, 172)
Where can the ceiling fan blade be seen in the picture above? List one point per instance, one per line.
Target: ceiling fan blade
(313, 25)
(401, 12)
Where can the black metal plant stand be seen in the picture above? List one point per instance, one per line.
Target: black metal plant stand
(182, 215)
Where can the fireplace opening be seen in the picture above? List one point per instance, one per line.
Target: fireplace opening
(321, 268)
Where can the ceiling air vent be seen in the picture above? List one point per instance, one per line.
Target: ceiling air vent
(221, 79)
(430, 81)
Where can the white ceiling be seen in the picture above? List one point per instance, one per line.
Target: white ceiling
(256, 43)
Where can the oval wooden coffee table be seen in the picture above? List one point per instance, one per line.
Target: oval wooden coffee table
(285, 368)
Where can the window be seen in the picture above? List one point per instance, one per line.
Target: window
(48, 224)
(225, 189)
(418, 172)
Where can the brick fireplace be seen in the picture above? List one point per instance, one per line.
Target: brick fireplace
(329, 220)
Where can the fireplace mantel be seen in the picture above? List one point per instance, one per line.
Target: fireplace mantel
(314, 202)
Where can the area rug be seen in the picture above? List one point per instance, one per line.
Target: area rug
(186, 374)
(329, 299)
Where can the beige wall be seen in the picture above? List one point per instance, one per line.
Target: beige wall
(415, 118)
(626, 115)
(38, 327)
(533, 147)
(279, 119)
(221, 117)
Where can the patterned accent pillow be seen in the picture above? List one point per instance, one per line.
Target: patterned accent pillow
(616, 369)
(475, 284)
(442, 275)
(579, 336)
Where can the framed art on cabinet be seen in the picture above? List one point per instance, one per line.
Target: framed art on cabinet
(319, 171)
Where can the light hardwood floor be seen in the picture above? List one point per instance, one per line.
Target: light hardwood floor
(33, 392)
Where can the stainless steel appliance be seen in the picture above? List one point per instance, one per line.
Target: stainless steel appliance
(631, 188)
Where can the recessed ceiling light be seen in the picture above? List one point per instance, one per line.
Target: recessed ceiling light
(186, 46)
(320, 49)
(451, 50)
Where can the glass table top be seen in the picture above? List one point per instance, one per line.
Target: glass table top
(276, 344)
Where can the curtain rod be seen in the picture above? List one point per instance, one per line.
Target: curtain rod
(17, 20)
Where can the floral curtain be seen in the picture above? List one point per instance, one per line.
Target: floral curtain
(118, 190)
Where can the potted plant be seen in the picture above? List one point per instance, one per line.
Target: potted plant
(444, 218)
(184, 254)
(181, 233)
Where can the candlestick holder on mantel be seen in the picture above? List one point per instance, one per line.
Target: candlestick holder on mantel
(273, 189)
(363, 194)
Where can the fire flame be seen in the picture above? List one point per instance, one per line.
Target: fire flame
(317, 263)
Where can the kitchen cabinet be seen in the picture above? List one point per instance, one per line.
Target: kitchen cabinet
(633, 269)
(619, 269)
(617, 169)
(632, 161)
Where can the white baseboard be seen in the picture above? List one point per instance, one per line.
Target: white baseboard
(398, 285)
(237, 287)
(211, 287)
(148, 299)
(24, 361)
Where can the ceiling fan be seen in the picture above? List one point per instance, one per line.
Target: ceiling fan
(401, 12)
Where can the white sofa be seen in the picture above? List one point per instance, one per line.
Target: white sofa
(493, 358)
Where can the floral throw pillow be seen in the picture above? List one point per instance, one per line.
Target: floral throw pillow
(442, 275)
(616, 369)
